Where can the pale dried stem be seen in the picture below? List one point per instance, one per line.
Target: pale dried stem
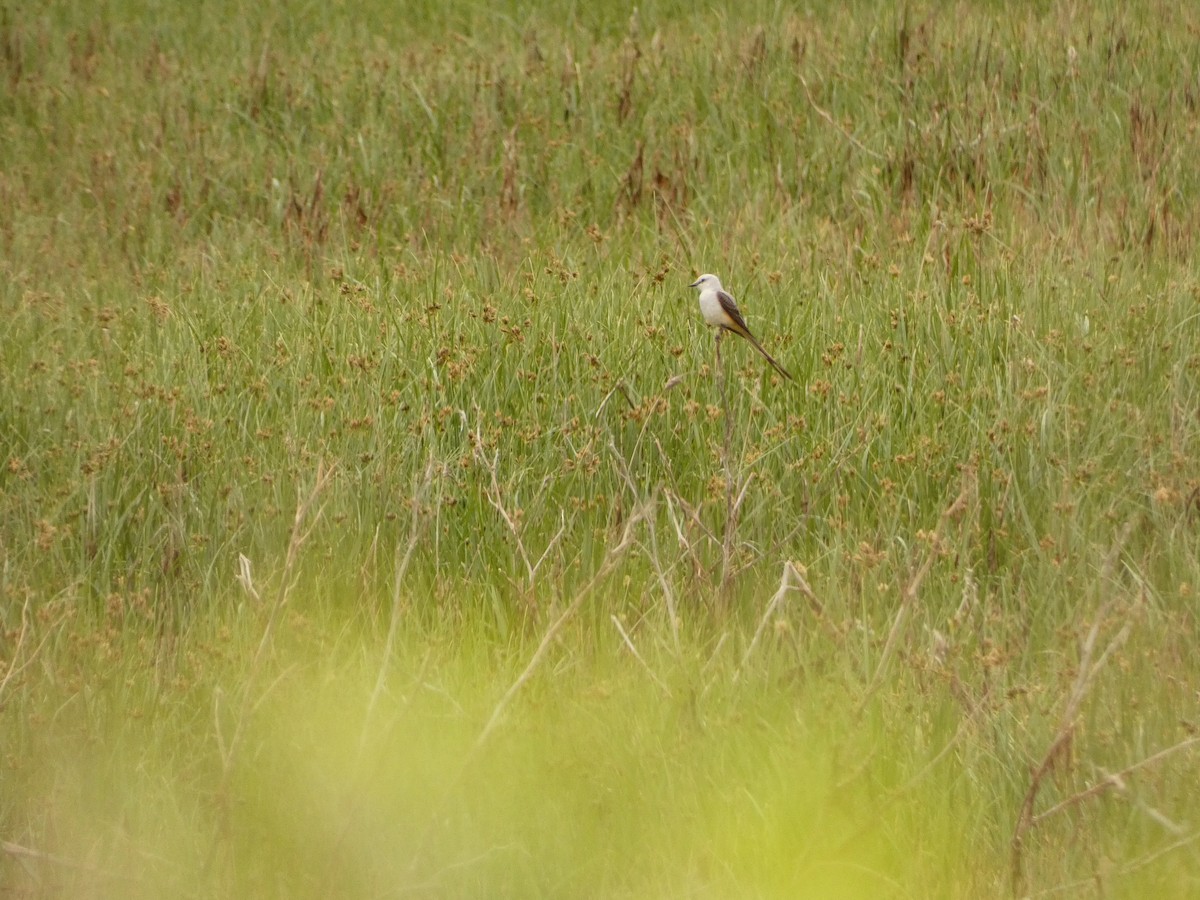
(302, 526)
(495, 497)
(1115, 780)
(694, 514)
(1140, 862)
(660, 571)
(301, 529)
(416, 526)
(733, 504)
(727, 535)
(792, 580)
(911, 590)
(17, 665)
(23, 854)
(681, 538)
(1088, 670)
(638, 656)
(824, 114)
(556, 627)
(665, 584)
(710, 663)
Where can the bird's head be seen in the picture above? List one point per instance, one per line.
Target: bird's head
(706, 282)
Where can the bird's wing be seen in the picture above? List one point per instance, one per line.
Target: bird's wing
(730, 306)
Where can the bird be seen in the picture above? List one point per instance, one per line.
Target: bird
(719, 310)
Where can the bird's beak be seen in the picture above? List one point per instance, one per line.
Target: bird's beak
(694, 283)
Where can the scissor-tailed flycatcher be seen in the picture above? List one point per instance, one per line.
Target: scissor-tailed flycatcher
(720, 310)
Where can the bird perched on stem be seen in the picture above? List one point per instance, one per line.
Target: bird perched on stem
(720, 311)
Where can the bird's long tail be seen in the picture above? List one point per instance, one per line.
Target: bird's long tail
(768, 357)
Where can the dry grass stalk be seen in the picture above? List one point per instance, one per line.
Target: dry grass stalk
(621, 465)
(733, 504)
(25, 855)
(792, 580)
(495, 498)
(1092, 882)
(302, 525)
(1065, 732)
(638, 656)
(416, 527)
(911, 590)
(556, 627)
(1113, 781)
(16, 665)
(610, 561)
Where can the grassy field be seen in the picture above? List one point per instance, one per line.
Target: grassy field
(377, 520)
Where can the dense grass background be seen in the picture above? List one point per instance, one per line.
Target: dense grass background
(441, 251)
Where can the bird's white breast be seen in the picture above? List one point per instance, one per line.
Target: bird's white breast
(711, 309)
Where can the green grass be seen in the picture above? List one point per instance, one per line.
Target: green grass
(441, 251)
